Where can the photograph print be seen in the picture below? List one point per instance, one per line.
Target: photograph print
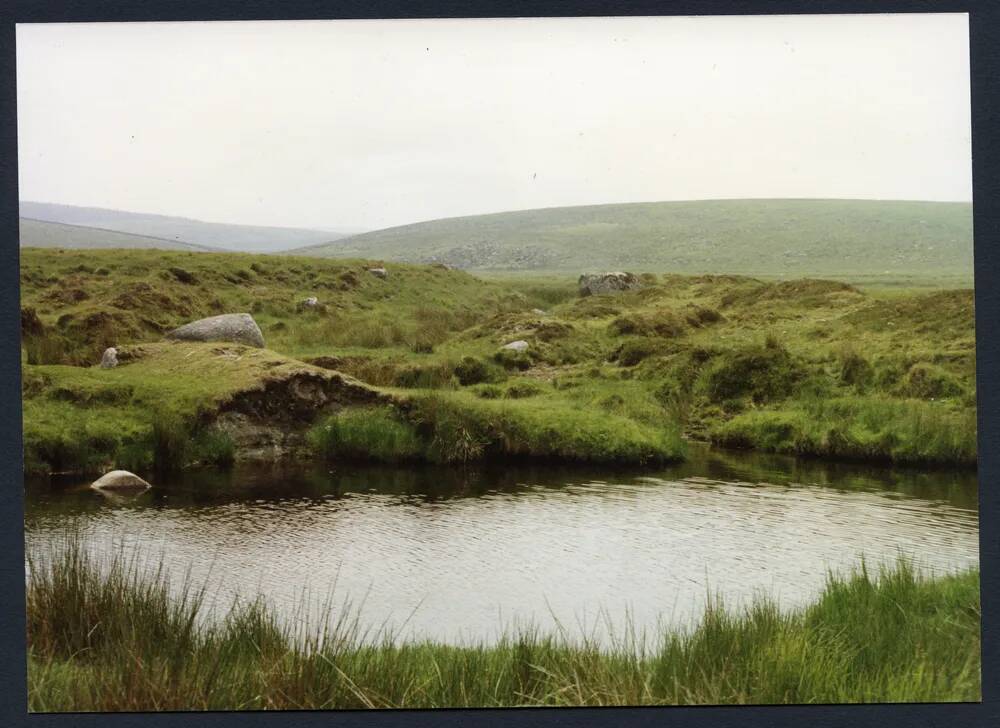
(488, 363)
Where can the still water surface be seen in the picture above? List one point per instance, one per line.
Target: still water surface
(454, 554)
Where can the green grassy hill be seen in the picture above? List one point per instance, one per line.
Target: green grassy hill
(42, 234)
(845, 238)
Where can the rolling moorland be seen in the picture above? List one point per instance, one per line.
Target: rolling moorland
(179, 230)
(853, 240)
(410, 367)
(43, 234)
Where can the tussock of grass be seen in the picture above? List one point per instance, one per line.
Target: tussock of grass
(110, 637)
(366, 434)
(760, 372)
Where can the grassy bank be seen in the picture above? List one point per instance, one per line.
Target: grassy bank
(806, 366)
(457, 427)
(157, 410)
(102, 637)
(859, 428)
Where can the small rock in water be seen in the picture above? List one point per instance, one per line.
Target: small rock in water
(379, 272)
(120, 480)
(519, 345)
(110, 358)
(237, 328)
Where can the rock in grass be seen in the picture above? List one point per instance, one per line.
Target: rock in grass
(110, 358)
(379, 272)
(236, 328)
(120, 480)
(311, 302)
(593, 284)
(519, 345)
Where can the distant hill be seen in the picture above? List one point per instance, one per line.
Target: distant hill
(757, 237)
(244, 238)
(41, 234)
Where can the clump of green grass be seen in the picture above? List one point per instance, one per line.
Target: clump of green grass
(424, 375)
(855, 369)
(472, 370)
(523, 388)
(926, 381)
(762, 373)
(107, 635)
(366, 434)
(633, 351)
(663, 323)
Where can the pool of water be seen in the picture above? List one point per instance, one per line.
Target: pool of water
(458, 554)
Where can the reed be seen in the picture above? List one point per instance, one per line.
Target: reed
(107, 635)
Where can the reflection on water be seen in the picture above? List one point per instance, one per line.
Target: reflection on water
(456, 553)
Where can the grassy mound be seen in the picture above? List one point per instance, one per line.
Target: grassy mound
(87, 300)
(110, 637)
(156, 408)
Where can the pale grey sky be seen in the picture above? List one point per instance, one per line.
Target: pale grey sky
(374, 123)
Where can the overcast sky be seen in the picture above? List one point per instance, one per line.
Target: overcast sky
(368, 124)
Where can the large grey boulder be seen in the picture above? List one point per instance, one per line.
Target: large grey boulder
(110, 358)
(593, 284)
(236, 328)
(120, 480)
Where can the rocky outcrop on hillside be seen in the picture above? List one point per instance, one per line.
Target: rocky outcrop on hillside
(593, 284)
(489, 255)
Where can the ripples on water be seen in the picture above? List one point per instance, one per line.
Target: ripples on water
(453, 555)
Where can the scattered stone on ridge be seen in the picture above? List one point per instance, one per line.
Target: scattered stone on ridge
(379, 272)
(236, 328)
